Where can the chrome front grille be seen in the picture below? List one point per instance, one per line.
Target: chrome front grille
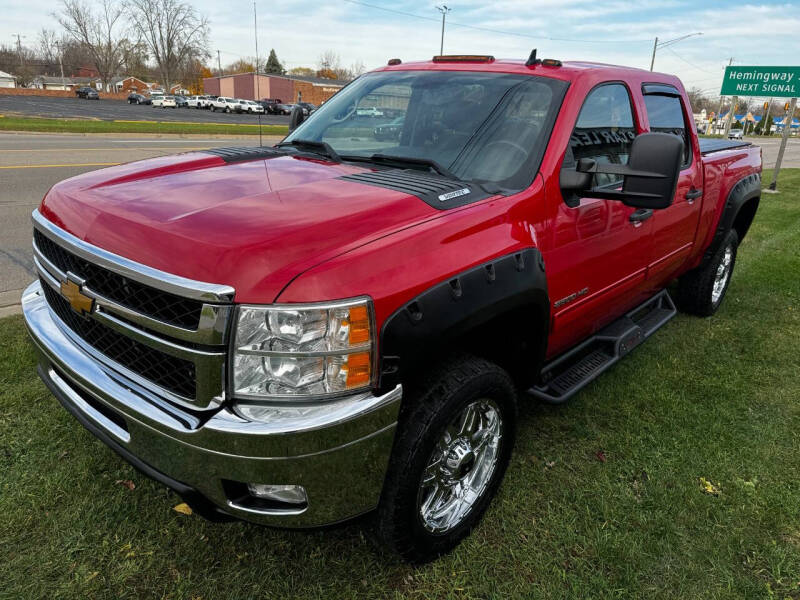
(164, 332)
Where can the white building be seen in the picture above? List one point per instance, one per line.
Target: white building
(7, 80)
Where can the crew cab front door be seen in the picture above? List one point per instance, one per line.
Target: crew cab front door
(597, 264)
(675, 227)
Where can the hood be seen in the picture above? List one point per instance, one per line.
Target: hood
(253, 225)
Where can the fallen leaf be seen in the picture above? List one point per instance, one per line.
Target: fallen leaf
(183, 508)
(550, 464)
(601, 456)
(93, 575)
(127, 483)
(708, 487)
(63, 455)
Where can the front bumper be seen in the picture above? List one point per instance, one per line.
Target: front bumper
(338, 451)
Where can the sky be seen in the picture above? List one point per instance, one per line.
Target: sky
(372, 31)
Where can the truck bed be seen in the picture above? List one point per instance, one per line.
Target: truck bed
(709, 145)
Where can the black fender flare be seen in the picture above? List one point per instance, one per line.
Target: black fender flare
(509, 291)
(746, 189)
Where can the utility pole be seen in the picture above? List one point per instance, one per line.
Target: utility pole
(786, 128)
(658, 44)
(19, 48)
(653, 59)
(765, 119)
(219, 64)
(60, 64)
(734, 101)
(722, 98)
(444, 10)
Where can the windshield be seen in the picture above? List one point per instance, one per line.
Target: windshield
(483, 127)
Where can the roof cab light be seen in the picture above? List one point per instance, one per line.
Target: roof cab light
(394, 61)
(462, 58)
(551, 62)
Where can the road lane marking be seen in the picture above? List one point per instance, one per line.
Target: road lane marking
(107, 164)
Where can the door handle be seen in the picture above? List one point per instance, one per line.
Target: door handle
(640, 215)
(692, 195)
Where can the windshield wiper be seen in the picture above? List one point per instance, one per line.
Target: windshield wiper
(321, 148)
(413, 162)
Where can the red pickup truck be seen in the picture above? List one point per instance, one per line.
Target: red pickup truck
(344, 323)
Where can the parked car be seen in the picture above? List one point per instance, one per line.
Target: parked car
(298, 344)
(165, 101)
(87, 92)
(269, 105)
(181, 101)
(310, 108)
(281, 109)
(290, 107)
(207, 100)
(390, 130)
(224, 104)
(736, 134)
(252, 107)
(136, 98)
(156, 98)
(369, 112)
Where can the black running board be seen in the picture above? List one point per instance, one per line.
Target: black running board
(565, 376)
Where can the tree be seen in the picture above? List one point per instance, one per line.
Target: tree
(134, 58)
(100, 32)
(173, 31)
(243, 65)
(302, 71)
(327, 74)
(273, 64)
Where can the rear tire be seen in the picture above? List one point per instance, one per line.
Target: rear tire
(702, 290)
(452, 446)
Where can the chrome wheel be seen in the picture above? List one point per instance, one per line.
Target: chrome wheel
(722, 275)
(460, 467)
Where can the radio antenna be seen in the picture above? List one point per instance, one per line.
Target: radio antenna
(258, 90)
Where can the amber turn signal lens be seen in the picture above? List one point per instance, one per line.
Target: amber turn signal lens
(358, 370)
(359, 325)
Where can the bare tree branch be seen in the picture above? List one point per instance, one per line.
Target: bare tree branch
(175, 33)
(100, 32)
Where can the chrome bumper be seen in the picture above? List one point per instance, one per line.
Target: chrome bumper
(338, 451)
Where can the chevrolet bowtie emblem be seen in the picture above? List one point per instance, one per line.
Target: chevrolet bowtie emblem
(79, 302)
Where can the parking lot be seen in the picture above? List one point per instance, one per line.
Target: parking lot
(30, 164)
(118, 110)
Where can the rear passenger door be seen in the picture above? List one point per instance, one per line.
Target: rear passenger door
(675, 227)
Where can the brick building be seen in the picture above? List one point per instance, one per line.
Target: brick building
(286, 88)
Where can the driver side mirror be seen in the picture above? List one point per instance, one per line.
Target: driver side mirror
(649, 178)
(297, 118)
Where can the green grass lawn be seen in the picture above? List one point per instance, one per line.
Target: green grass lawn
(90, 126)
(717, 399)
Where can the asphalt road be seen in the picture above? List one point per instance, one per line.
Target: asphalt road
(31, 164)
(117, 110)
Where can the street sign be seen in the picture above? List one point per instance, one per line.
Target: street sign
(761, 81)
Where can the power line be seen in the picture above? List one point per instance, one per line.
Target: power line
(689, 63)
(489, 30)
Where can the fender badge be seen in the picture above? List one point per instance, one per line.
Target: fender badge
(78, 301)
(571, 297)
(455, 194)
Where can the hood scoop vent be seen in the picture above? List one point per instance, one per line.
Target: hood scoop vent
(238, 153)
(438, 192)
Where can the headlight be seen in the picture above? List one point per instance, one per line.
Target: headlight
(293, 351)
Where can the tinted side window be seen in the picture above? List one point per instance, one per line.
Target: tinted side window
(604, 130)
(666, 116)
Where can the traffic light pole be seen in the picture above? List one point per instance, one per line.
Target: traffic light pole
(786, 128)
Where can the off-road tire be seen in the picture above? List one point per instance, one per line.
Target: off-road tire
(428, 407)
(695, 288)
